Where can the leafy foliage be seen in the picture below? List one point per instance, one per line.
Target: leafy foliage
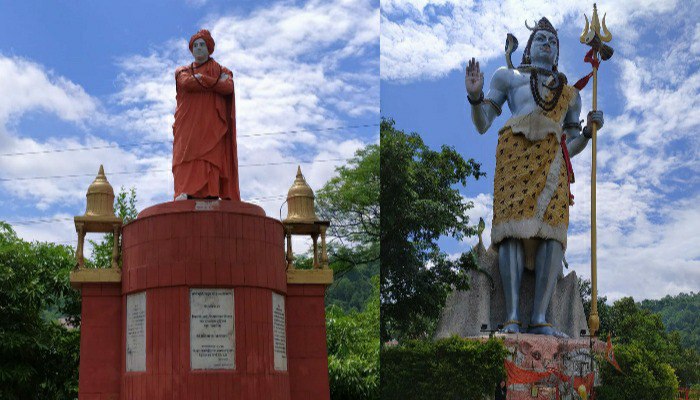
(452, 368)
(419, 205)
(38, 354)
(350, 200)
(125, 208)
(353, 350)
(645, 377)
(679, 313)
(633, 325)
(352, 287)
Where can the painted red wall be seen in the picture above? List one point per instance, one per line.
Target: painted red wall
(306, 342)
(100, 342)
(173, 247)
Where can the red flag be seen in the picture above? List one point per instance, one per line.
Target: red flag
(610, 355)
(581, 83)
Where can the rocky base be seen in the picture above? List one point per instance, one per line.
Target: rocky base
(484, 303)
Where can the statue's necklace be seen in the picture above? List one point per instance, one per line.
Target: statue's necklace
(547, 105)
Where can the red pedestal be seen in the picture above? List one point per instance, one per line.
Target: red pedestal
(100, 341)
(306, 342)
(173, 247)
(176, 246)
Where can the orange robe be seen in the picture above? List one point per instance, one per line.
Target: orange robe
(205, 161)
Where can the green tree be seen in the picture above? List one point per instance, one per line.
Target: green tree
(645, 377)
(679, 313)
(420, 203)
(125, 208)
(652, 360)
(451, 368)
(633, 324)
(38, 352)
(350, 200)
(353, 350)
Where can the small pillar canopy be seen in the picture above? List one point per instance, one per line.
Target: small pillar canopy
(302, 220)
(99, 217)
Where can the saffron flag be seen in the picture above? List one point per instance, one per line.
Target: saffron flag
(610, 354)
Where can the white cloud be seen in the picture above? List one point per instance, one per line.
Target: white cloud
(648, 186)
(483, 208)
(427, 39)
(34, 88)
(28, 86)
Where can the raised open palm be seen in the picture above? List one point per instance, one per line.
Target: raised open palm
(474, 79)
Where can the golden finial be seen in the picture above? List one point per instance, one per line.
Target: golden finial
(300, 201)
(100, 196)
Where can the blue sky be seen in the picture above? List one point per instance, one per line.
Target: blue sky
(95, 74)
(648, 188)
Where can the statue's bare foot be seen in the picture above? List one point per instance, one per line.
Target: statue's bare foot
(511, 327)
(546, 329)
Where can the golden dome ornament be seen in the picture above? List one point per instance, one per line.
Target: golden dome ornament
(300, 201)
(100, 196)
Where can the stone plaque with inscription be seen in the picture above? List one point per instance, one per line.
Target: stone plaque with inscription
(136, 332)
(212, 329)
(279, 334)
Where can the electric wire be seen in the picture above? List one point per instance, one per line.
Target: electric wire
(262, 199)
(148, 143)
(31, 178)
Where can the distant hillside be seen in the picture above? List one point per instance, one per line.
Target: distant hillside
(680, 313)
(351, 289)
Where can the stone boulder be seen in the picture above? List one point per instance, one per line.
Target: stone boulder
(466, 311)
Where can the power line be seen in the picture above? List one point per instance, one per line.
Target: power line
(166, 170)
(147, 143)
(262, 199)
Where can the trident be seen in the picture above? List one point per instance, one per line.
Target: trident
(592, 36)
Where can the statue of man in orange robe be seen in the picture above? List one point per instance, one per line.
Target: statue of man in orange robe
(205, 162)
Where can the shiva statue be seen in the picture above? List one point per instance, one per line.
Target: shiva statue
(533, 170)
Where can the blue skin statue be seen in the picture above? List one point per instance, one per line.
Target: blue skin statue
(513, 86)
